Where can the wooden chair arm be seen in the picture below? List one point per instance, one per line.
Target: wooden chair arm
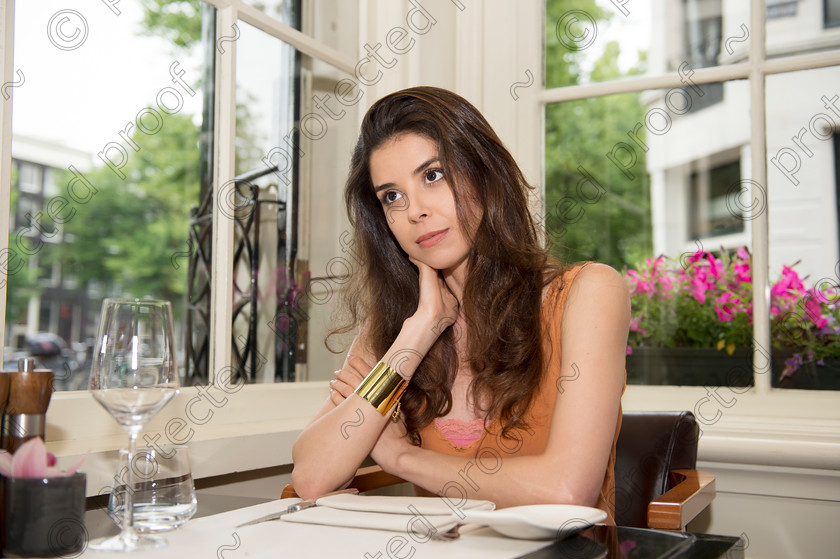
(367, 478)
(680, 504)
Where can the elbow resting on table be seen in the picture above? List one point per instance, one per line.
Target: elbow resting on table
(569, 495)
(309, 486)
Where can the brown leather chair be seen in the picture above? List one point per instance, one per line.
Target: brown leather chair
(656, 485)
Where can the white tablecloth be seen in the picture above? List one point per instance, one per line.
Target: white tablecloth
(217, 537)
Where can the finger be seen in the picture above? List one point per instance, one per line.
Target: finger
(350, 377)
(336, 398)
(359, 365)
(342, 388)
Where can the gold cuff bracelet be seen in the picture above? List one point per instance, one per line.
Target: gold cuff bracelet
(382, 387)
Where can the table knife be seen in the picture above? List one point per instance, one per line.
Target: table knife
(300, 505)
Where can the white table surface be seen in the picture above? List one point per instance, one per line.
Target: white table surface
(218, 537)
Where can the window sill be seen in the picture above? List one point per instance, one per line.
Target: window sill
(255, 427)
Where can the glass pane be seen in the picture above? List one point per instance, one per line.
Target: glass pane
(801, 27)
(589, 41)
(803, 117)
(330, 22)
(105, 147)
(831, 15)
(595, 40)
(296, 126)
(662, 193)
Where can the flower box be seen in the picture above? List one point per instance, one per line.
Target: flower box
(692, 324)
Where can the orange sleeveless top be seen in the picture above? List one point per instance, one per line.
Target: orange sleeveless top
(438, 436)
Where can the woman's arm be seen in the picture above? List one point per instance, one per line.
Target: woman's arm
(345, 430)
(571, 470)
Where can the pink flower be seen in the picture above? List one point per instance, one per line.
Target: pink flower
(645, 287)
(628, 351)
(788, 285)
(31, 461)
(715, 266)
(699, 255)
(634, 326)
(698, 289)
(667, 284)
(725, 307)
(742, 272)
(813, 308)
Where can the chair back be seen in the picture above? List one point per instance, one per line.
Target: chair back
(649, 446)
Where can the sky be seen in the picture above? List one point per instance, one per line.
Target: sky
(88, 71)
(631, 27)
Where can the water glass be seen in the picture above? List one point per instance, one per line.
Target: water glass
(164, 493)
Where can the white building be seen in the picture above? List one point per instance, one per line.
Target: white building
(60, 307)
(699, 158)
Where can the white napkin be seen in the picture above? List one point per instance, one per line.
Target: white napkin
(420, 517)
(402, 505)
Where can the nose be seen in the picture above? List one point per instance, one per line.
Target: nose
(418, 207)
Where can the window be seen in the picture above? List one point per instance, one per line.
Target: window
(702, 34)
(710, 215)
(159, 81)
(115, 172)
(837, 180)
(831, 13)
(30, 177)
(684, 167)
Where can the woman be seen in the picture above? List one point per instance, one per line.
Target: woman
(458, 304)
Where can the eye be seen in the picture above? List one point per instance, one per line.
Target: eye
(391, 196)
(433, 175)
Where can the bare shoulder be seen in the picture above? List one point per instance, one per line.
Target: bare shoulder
(598, 287)
(598, 274)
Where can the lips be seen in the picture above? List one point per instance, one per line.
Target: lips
(431, 238)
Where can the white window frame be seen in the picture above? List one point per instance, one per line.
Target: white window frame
(760, 425)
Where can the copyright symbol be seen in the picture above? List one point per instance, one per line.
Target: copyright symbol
(67, 29)
(233, 199)
(68, 537)
(576, 37)
(757, 202)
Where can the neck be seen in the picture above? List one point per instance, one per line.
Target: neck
(456, 278)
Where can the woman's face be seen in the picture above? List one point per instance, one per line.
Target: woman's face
(418, 202)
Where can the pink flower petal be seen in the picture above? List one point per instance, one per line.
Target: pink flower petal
(5, 463)
(53, 472)
(30, 460)
(72, 469)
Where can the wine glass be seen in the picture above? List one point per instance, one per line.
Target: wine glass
(133, 375)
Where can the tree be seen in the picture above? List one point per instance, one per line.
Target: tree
(130, 232)
(177, 21)
(23, 283)
(593, 210)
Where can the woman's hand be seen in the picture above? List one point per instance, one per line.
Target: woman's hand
(437, 304)
(348, 378)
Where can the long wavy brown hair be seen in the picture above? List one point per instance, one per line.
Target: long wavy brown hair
(509, 265)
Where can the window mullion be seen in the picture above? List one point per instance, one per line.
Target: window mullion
(7, 38)
(302, 42)
(760, 227)
(629, 85)
(221, 306)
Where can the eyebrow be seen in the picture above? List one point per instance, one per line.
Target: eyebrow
(422, 167)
